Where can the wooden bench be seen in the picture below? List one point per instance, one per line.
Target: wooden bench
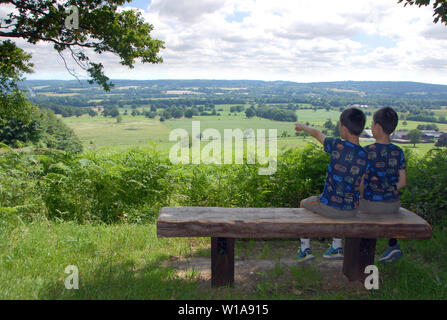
(223, 225)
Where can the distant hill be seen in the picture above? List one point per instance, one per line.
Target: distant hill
(386, 87)
(359, 88)
(418, 101)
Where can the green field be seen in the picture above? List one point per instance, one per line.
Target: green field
(99, 132)
(106, 132)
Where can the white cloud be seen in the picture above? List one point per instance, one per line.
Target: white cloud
(185, 11)
(284, 40)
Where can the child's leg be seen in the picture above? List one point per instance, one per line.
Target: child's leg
(335, 251)
(336, 243)
(392, 253)
(392, 242)
(304, 253)
(305, 244)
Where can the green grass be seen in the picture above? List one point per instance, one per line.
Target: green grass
(413, 125)
(139, 130)
(307, 277)
(100, 132)
(114, 262)
(131, 132)
(126, 262)
(317, 117)
(421, 274)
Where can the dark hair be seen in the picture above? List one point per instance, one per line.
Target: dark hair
(354, 119)
(387, 118)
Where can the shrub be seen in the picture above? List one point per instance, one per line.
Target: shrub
(107, 187)
(133, 186)
(300, 173)
(20, 175)
(427, 186)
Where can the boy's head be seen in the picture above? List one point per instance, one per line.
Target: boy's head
(384, 121)
(352, 122)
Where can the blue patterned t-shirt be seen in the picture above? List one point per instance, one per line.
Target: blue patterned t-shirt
(385, 161)
(346, 168)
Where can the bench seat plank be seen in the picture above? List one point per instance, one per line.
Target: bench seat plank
(285, 223)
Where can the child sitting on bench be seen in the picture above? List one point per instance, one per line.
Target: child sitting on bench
(385, 176)
(348, 164)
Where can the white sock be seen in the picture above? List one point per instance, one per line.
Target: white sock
(305, 244)
(336, 243)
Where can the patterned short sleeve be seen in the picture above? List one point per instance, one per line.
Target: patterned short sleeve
(368, 166)
(402, 165)
(329, 144)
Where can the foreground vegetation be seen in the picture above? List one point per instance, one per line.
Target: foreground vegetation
(132, 185)
(97, 211)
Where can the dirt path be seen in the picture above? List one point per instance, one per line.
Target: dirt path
(317, 275)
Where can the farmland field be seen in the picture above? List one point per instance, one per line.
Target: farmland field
(105, 132)
(53, 94)
(136, 131)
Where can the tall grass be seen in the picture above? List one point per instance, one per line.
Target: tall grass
(133, 185)
(427, 185)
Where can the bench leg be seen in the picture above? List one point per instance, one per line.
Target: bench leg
(358, 254)
(222, 262)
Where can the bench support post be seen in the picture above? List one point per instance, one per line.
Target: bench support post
(222, 262)
(358, 253)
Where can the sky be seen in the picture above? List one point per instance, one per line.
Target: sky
(300, 40)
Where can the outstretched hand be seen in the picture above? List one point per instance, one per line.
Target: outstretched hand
(299, 127)
(313, 132)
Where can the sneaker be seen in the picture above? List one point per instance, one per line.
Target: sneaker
(391, 254)
(305, 255)
(334, 253)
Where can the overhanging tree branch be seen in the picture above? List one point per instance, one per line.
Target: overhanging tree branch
(101, 27)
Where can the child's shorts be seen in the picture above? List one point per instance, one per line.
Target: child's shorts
(378, 207)
(315, 205)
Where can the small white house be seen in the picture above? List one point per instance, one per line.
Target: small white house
(432, 133)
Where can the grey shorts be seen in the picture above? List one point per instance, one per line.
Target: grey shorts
(379, 207)
(315, 205)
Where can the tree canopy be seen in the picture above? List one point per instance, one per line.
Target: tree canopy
(100, 26)
(414, 136)
(439, 7)
(442, 141)
(14, 62)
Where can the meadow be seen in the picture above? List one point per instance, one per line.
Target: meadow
(98, 132)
